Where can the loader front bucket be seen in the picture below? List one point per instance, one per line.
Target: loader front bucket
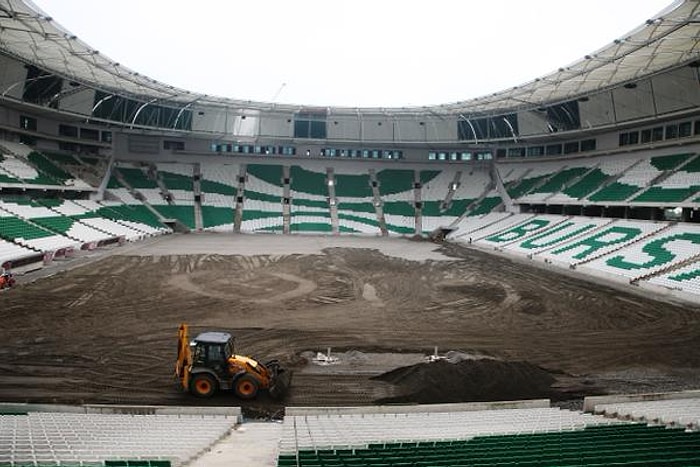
(280, 380)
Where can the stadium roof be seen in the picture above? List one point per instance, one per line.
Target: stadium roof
(669, 40)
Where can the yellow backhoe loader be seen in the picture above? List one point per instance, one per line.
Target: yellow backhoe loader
(208, 364)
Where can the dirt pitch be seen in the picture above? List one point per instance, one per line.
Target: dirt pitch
(102, 328)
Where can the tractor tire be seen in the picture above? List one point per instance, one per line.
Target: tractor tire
(203, 385)
(246, 387)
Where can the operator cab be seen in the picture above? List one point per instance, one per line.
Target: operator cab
(212, 349)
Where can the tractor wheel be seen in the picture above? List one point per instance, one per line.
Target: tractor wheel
(203, 385)
(246, 387)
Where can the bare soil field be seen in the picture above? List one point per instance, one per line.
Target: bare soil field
(103, 329)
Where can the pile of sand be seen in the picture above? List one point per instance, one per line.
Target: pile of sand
(469, 380)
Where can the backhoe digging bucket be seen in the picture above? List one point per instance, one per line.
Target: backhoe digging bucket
(280, 381)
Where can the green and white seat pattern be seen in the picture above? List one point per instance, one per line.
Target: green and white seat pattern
(567, 230)
(309, 208)
(531, 226)
(650, 255)
(435, 186)
(90, 217)
(16, 171)
(37, 227)
(632, 445)
(472, 185)
(555, 184)
(16, 148)
(218, 185)
(686, 279)
(60, 176)
(135, 215)
(682, 185)
(637, 177)
(262, 206)
(501, 225)
(396, 188)
(601, 241)
(680, 413)
(541, 232)
(130, 211)
(355, 201)
(491, 201)
(474, 223)
(145, 183)
(359, 430)
(123, 194)
(10, 251)
(604, 168)
(520, 181)
(136, 176)
(77, 439)
(178, 180)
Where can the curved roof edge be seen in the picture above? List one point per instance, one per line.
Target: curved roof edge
(666, 41)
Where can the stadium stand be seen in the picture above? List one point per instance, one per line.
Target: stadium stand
(639, 176)
(678, 413)
(435, 187)
(602, 171)
(665, 249)
(483, 230)
(18, 171)
(529, 436)
(262, 206)
(135, 177)
(77, 210)
(473, 223)
(218, 188)
(46, 166)
(64, 438)
(173, 196)
(536, 182)
(686, 279)
(490, 202)
(135, 215)
(174, 205)
(309, 204)
(531, 226)
(355, 200)
(520, 171)
(601, 241)
(568, 230)
(679, 186)
(396, 189)
(333, 430)
(10, 251)
(457, 191)
(593, 446)
(32, 225)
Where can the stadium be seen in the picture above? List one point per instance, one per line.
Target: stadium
(512, 279)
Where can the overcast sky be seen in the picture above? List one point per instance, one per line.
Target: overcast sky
(366, 53)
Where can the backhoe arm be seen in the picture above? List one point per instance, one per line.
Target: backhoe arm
(184, 356)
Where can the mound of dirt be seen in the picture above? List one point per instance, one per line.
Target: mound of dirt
(469, 381)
